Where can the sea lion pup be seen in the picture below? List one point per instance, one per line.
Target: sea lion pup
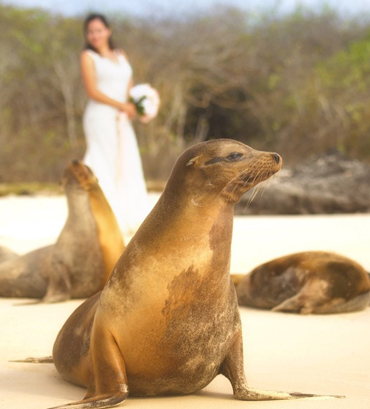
(167, 321)
(316, 282)
(7, 254)
(79, 263)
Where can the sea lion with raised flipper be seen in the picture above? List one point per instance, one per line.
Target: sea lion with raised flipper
(311, 282)
(78, 264)
(167, 321)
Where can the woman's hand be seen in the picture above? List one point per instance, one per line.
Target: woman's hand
(129, 109)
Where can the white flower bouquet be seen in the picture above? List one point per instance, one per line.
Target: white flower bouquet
(146, 100)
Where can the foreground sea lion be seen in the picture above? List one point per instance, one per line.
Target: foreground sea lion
(167, 321)
(79, 263)
(315, 282)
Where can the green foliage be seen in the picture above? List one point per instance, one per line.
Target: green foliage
(347, 69)
(345, 81)
(298, 84)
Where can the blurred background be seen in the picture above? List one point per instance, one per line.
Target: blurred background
(285, 76)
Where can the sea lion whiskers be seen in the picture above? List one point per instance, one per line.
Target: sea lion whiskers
(266, 184)
(245, 179)
(261, 188)
(262, 177)
(253, 195)
(255, 191)
(239, 177)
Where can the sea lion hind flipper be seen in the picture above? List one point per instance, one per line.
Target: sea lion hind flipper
(108, 381)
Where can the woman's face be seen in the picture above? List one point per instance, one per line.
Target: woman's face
(97, 34)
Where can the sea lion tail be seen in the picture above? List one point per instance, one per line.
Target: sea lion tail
(41, 360)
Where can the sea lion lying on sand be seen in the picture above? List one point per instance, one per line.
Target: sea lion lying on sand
(79, 263)
(167, 321)
(311, 282)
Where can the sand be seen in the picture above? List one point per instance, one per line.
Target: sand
(315, 354)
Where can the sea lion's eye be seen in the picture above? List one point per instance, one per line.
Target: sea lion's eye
(234, 156)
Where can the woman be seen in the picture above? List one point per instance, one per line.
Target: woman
(112, 150)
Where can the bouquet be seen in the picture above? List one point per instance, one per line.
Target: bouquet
(146, 100)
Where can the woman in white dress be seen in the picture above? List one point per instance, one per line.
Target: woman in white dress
(112, 151)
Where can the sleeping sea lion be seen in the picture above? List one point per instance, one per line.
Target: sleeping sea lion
(167, 321)
(79, 263)
(316, 282)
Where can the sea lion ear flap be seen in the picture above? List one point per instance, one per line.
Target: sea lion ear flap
(193, 162)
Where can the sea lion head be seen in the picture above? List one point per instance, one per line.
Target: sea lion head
(80, 175)
(223, 168)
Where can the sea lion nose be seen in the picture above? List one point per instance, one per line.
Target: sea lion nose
(276, 157)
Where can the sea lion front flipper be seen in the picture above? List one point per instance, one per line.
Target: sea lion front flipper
(233, 369)
(108, 381)
(297, 303)
(311, 297)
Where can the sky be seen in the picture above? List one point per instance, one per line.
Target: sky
(147, 7)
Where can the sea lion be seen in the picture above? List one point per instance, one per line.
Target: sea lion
(109, 234)
(316, 282)
(7, 254)
(79, 263)
(167, 321)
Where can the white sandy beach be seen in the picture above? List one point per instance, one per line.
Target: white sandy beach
(313, 354)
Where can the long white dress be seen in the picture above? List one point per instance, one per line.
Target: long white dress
(112, 150)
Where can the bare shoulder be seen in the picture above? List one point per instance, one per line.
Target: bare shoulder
(86, 55)
(86, 58)
(119, 51)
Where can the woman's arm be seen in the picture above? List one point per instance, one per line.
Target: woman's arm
(89, 81)
(131, 82)
(130, 85)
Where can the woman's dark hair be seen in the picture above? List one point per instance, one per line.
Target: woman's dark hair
(103, 19)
